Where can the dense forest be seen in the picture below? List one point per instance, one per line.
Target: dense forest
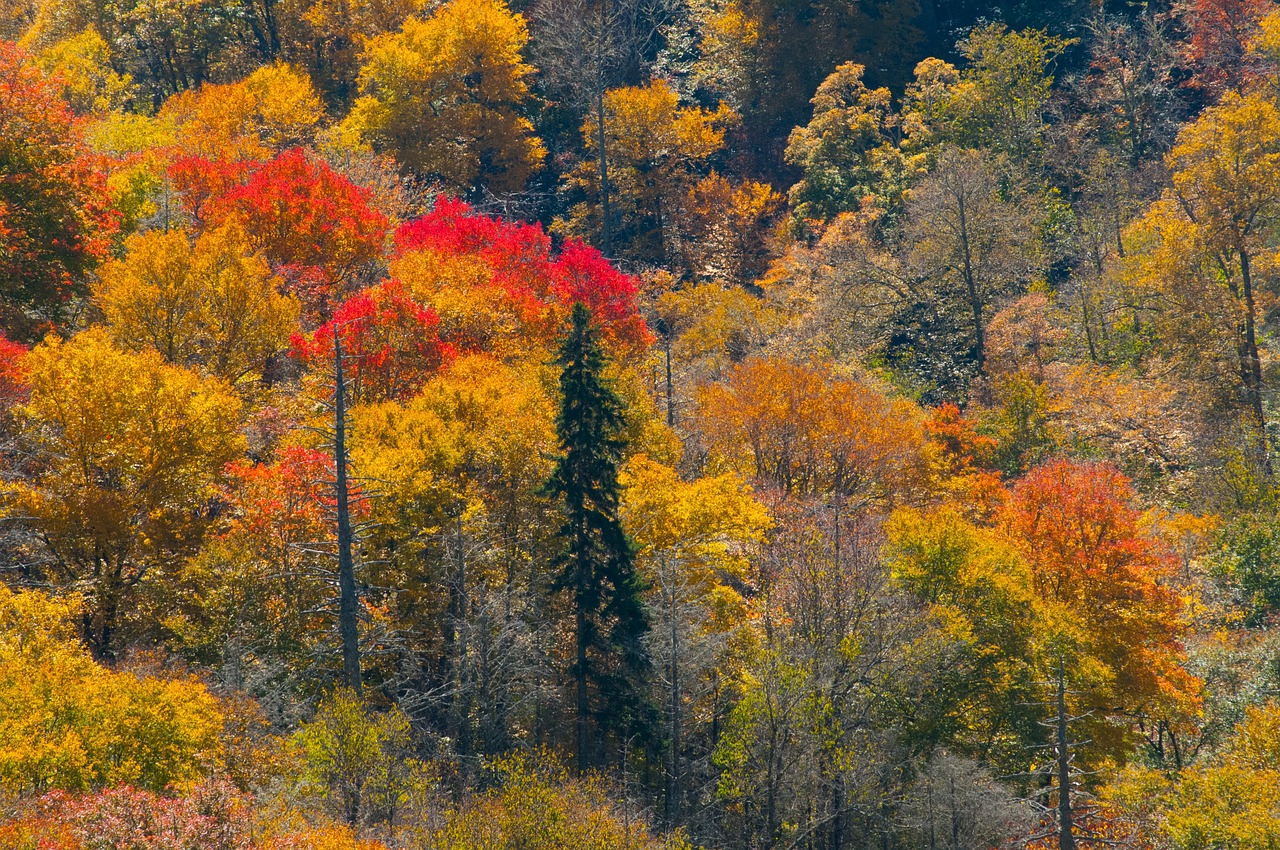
(639, 425)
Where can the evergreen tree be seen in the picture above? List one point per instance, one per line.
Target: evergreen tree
(597, 563)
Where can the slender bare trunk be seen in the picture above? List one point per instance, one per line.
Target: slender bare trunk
(347, 613)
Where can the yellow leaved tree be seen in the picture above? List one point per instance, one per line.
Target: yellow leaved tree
(124, 451)
(272, 109)
(654, 149)
(1202, 251)
(69, 724)
(446, 95)
(211, 304)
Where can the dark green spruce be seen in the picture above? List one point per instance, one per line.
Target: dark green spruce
(597, 561)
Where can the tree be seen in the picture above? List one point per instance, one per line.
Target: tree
(213, 304)
(353, 758)
(654, 150)
(725, 229)
(692, 542)
(446, 95)
(327, 37)
(1216, 51)
(996, 102)
(272, 110)
(391, 344)
(807, 432)
(1130, 90)
(315, 227)
(846, 152)
(126, 452)
(55, 221)
(256, 599)
(71, 724)
(82, 64)
(969, 240)
(1093, 561)
(1227, 185)
(498, 287)
(597, 565)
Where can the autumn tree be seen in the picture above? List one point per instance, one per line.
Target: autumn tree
(969, 240)
(1130, 91)
(55, 223)
(597, 566)
(693, 543)
(391, 343)
(82, 64)
(314, 226)
(726, 229)
(498, 286)
(463, 532)
(1087, 547)
(354, 759)
(979, 585)
(655, 148)
(165, 47)
(808, 431)
(257, 593)
(212, 304)
(73, 725)
(272, 110)
(846, 152)
(327, 38)
(997, 101)
(127, 450)
(1216, 50)
(1204, 246)
(446, 95)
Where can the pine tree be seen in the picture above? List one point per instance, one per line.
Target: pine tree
(597, 563)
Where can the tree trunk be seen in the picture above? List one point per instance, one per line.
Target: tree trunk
(1066, 832)
(606, 223)
(1253, 364)
(971, 287)
(347, 614)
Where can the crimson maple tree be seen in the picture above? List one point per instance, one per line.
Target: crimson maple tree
(541, 284)
(392, 343)
(317, 228)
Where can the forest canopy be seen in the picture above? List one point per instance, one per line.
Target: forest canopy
(721, 424)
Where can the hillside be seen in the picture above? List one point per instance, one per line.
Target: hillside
(639, 425)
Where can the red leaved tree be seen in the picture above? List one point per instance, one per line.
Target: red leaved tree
(391, 344)
(537, 285)
(317, 228)
(56, 221)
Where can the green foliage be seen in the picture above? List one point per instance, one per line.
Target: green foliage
(355, 759)
(847, 153)
(597, 564)
(1248, 560)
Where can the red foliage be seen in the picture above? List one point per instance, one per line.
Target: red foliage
(214, 817)
(392, 343)
(541, 285)
(197, 180)
(1090, 552)
(56, 219)
(315, 226)
(290, 494)
(13, 379)
(1219, 32)
(962, 448)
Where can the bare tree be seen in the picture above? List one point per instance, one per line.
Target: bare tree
(970, 237)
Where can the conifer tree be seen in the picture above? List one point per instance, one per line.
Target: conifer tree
(597, 562)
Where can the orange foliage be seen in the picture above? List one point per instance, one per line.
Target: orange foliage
(1092, 556)
(806, 430)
